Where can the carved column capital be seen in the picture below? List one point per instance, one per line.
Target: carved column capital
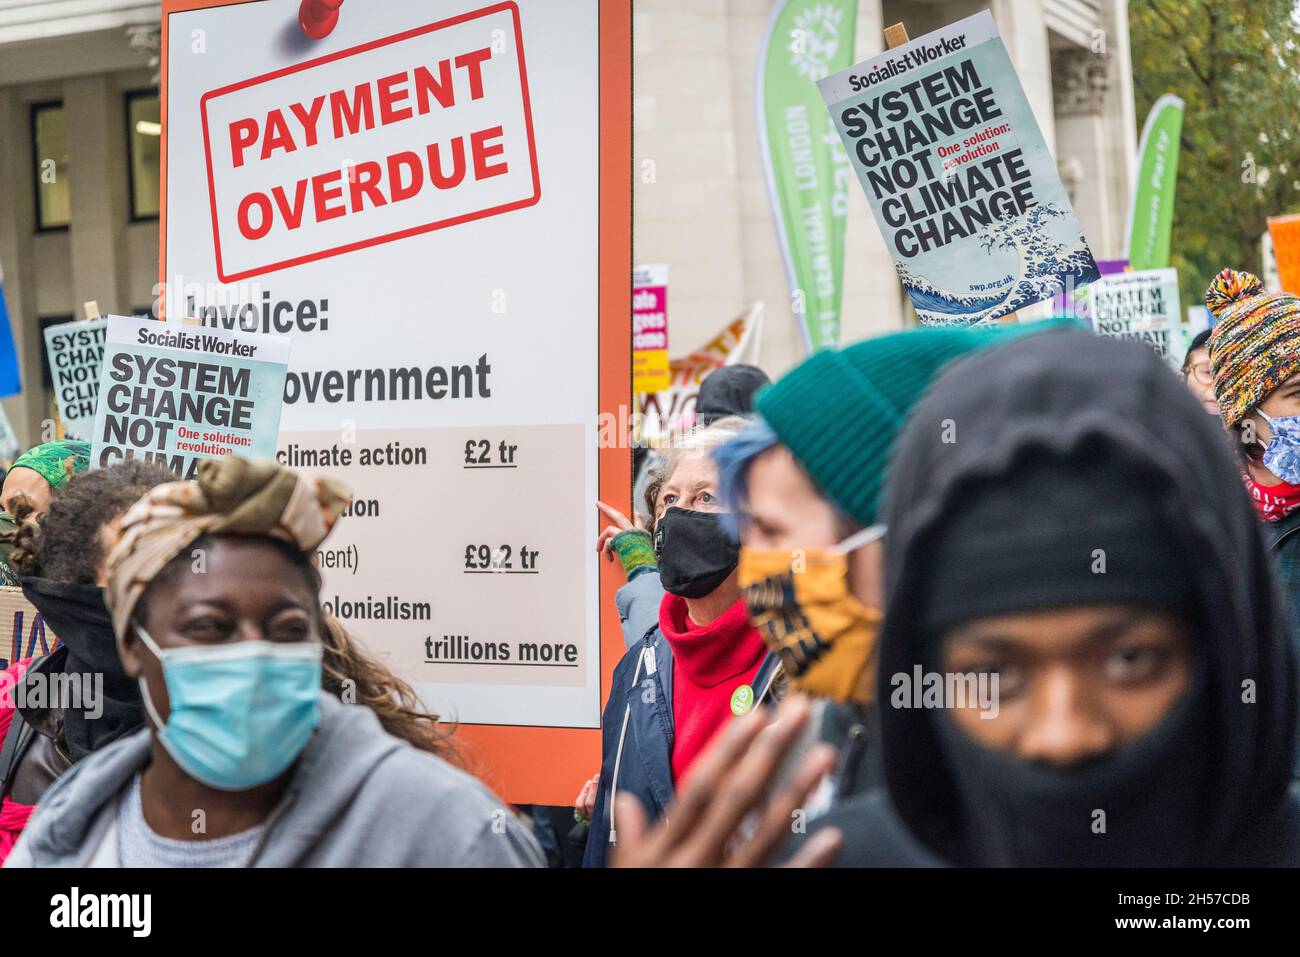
(1079, 81)
(146, 39)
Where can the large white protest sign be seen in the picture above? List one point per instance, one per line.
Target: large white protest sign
(76, 351)
(174, 395)
(432, 203)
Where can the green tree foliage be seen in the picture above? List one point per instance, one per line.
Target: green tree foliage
(1237, 66)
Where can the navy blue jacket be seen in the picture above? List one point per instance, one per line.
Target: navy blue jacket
(639, 714)
(1284, 543)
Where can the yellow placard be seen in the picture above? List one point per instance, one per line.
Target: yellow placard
(650, 372)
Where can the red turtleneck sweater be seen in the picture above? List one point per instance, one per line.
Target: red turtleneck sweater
(709, 663)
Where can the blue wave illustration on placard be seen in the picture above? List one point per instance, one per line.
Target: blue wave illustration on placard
(1044, 266)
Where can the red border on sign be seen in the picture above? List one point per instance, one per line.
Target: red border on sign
(527, 763)
(402, 233)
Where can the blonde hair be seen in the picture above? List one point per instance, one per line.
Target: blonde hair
(692, 444)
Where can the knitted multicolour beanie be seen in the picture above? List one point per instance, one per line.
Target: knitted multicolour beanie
(1255, 345)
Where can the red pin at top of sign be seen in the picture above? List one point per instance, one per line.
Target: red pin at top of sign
(318, 17)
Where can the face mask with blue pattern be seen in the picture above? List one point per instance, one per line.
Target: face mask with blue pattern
(1282, 453)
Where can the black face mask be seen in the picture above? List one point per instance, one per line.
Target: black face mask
(696, 554)
(1151, 792)
(78, 615)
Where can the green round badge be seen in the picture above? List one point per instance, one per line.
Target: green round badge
(742, 699)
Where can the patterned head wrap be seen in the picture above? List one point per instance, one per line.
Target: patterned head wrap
(1255, 345)
(56, 462)
(230, 495)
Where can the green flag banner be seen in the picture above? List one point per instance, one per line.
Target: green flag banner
(808, 173)
(1151, 217)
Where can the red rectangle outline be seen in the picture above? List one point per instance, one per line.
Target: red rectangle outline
(504, 756)
(402, 233)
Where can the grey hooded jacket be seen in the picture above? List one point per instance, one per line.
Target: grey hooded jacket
(638, 605)
(358, 798)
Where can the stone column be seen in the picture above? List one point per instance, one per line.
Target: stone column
(97, 147)
(1080, 80)
(17, 224)
(1024, 34)
(1121, 123)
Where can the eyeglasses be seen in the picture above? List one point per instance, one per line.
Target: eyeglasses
(1201, 373)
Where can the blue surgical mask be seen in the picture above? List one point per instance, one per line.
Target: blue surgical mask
(1282, 453)
(241, 713)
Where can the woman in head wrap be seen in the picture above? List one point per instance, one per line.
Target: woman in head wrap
(216, 608)
(41, 471)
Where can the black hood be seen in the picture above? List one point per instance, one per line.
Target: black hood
(1069, 396)
(80, 620)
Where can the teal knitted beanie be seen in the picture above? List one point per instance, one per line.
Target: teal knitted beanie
(840, 410)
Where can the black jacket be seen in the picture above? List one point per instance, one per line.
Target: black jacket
(1284, 544)
(1057, 394)
(86, 662)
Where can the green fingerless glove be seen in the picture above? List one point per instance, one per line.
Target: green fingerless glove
(635, 549)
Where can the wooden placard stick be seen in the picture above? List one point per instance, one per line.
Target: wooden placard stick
(896, 36)
(90, 310)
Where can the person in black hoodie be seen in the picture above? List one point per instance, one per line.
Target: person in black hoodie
(1067, 530)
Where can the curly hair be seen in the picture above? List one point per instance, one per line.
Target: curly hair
(352, 674)
(64, 544)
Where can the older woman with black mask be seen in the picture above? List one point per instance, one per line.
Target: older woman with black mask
(699, 666)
